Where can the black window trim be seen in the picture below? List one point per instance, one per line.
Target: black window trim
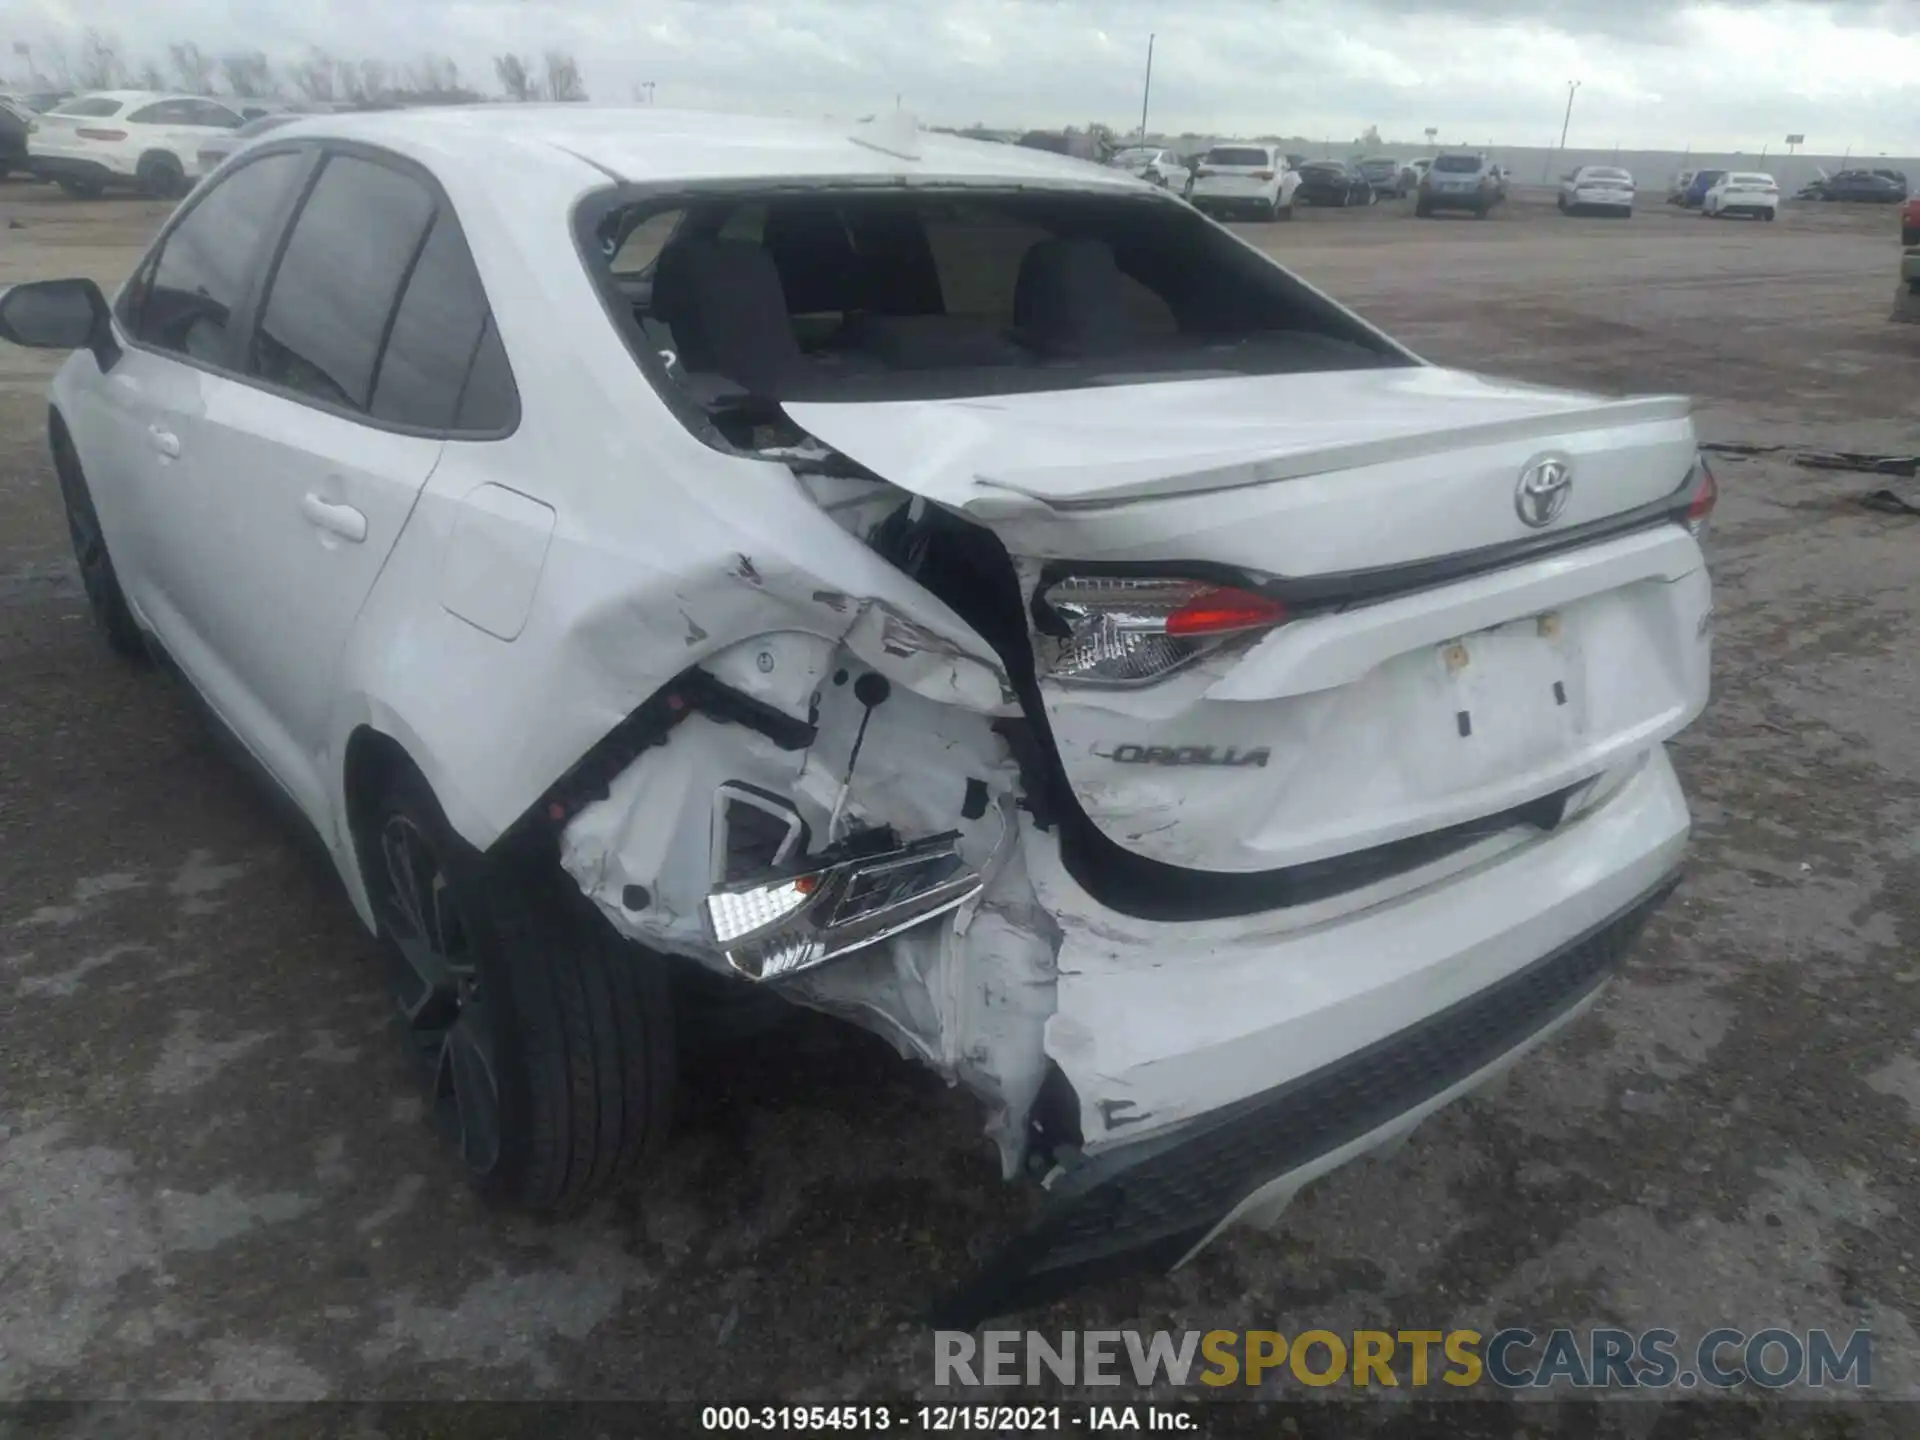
(243, 320)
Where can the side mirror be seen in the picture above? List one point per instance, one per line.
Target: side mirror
(59, 315)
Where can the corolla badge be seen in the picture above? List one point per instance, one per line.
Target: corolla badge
(1544, 488)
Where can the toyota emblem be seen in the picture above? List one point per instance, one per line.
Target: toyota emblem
(1543, 490)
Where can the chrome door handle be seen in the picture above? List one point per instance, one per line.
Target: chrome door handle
(342, 520)
(165, 441)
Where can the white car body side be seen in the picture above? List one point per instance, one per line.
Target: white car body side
(72, 141)
(505, 605)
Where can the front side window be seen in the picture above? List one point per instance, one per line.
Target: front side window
(187, 294)
(325, 316)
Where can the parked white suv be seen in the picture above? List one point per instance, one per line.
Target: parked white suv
(127, 137)
(613, 559)
(1253, 181)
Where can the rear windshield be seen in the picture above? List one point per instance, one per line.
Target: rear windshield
(1373, 167)
(1601, 172)
(1760, 180)
(92, 107)
(750, 299)
(1458, 164)
(1237, 155)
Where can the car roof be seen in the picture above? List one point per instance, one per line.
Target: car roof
(642, 144)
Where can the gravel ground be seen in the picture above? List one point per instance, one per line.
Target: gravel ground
(215, 1181)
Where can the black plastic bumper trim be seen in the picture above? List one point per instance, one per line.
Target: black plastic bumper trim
(1146, 1205)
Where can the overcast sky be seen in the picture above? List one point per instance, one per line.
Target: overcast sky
(1654, 73)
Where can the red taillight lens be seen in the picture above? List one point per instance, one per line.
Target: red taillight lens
(1263, 174)
(1126, 630)
(92, 134)
(1223, 610)
(1706, 493)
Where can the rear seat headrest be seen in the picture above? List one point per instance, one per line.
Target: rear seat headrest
(1070, 298)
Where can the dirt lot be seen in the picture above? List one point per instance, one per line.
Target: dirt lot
(214, 1180)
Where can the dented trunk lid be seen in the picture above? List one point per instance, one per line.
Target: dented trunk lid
(1413, 694)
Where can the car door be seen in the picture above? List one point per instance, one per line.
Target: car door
(353, 374)
(138, 430)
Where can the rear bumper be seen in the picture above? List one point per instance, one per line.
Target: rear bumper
(1601, 200)
(1219, 1066)
(1457, 199)
(1232, 202)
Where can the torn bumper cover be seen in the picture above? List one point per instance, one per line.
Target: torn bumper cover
(1152, 1204)
(775, 926)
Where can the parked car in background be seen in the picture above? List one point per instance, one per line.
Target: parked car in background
(1246, 180)
(1411, 174)
(581, 748)
(1910, 222)
(1677, 191)
(17, 122)
(1865, 187)
(1458, 180)
(1383, 173)
(1501, 179)
(1334, 182)
(1743, 192)
(41, 101)
(1606, 189)
(1703, 181)
(1156, 167)
(207, 159)
(127, 137)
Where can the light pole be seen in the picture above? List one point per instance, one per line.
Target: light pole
(1146, 91)
(1572, 85)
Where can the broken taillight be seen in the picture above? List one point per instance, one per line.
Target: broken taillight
(1122, 630)
(1706, 492)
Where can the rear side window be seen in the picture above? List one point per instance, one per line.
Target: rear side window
(166, 112)
(186, 297)
(429, 350)
(93, 108)
(376, 308)
(325, 318)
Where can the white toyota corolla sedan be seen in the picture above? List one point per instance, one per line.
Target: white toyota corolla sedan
(674, 561)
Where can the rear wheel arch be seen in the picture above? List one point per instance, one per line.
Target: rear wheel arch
(585, 1058)
(161, 173)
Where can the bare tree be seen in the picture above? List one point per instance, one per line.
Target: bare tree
(563, 77)
(249, 76)
(150, 77)
(100, 66)
(347, 79)
(375, 79)
(59, 64)
(313, 76)
(515, 78)
(192, 67)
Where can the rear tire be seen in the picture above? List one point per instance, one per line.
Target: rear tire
(81, 189)
(104, 596)
(546, 1045)
(161, 175)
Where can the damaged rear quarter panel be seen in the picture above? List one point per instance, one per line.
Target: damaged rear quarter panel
(665, 553)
